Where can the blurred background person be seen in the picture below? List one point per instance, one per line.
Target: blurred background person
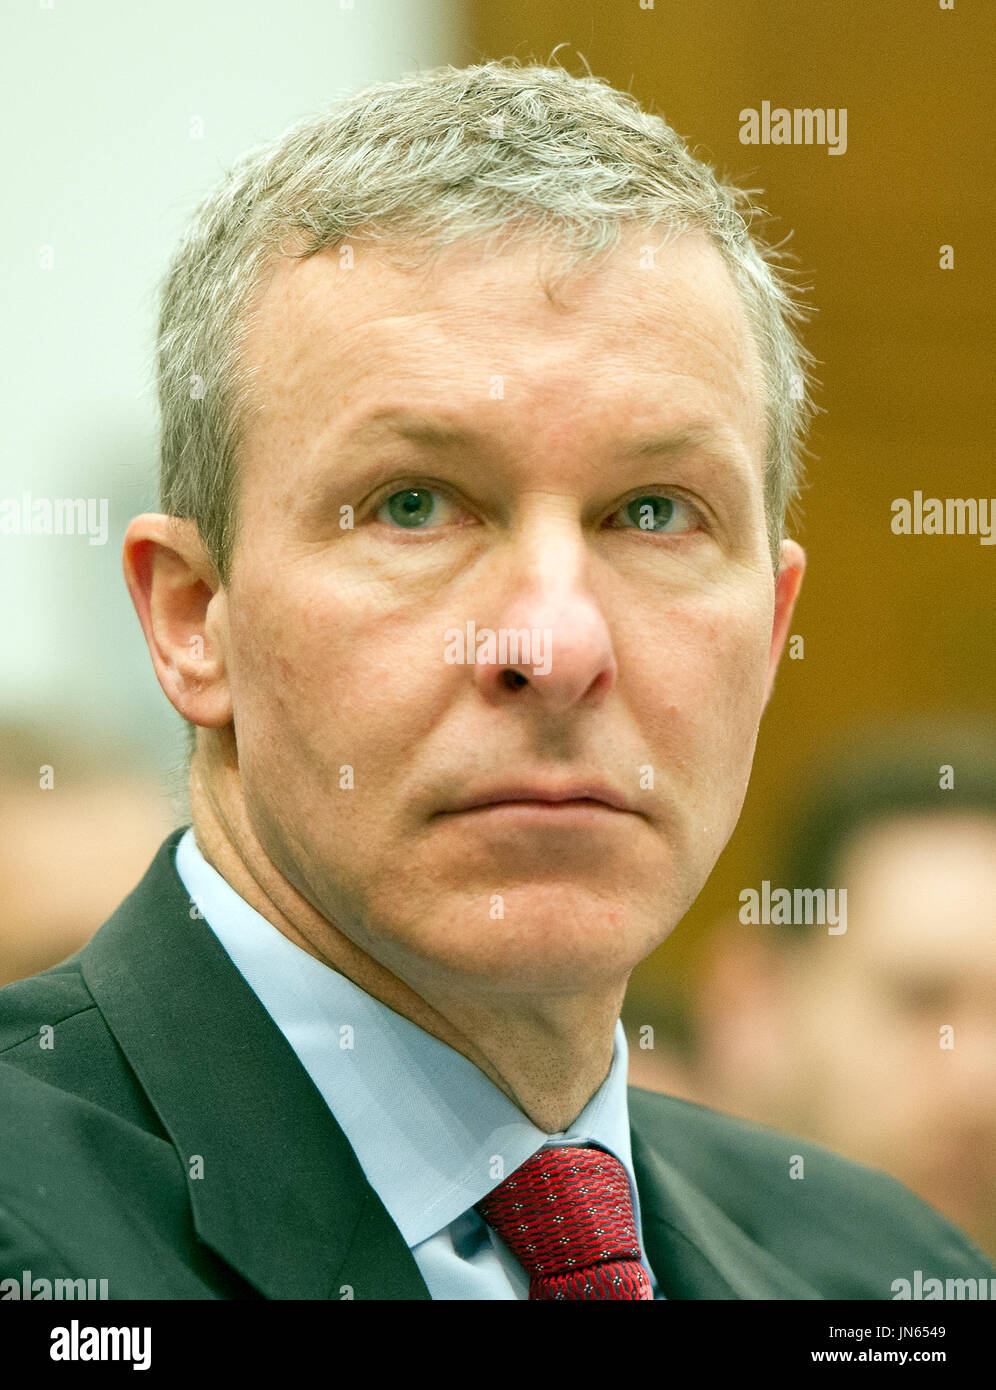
(79, 821)
(878, 1042)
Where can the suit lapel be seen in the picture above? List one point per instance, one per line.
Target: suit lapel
(694, 1249)
(274, 1185)
(278, 1192)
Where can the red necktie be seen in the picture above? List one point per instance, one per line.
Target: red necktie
(567, 1217)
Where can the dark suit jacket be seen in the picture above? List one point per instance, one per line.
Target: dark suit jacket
(170, 1141)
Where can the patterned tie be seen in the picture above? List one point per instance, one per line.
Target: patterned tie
(567, 1217)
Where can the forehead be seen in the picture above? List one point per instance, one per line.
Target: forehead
(922, 888)
(653, 333)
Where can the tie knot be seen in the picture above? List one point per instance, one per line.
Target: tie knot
(567, 1217)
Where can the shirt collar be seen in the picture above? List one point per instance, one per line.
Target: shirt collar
(432, 1133)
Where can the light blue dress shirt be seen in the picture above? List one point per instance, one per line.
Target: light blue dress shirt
(425, 1123)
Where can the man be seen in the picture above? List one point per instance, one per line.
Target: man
(477, 360)
(880, 1041)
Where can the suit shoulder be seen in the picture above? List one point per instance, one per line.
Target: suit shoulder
(717, 1148)
(52, 1029)
(792, 1195)
(45, 999)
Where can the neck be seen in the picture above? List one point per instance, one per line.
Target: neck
(548, 1055)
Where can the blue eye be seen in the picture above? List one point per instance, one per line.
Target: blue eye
(412, 507)
(656, 512)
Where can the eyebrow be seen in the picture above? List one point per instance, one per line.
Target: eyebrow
(420, 429)
(436, 433)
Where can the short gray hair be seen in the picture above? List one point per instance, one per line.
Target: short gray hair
(432, 159)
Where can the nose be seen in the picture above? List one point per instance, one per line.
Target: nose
(552, 644)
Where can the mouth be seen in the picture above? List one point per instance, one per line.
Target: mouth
(570, 813)
(551, 804)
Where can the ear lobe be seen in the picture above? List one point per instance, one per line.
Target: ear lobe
(180, 604)
(791, 569)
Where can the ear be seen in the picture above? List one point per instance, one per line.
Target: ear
(181, 605)
(791, 568)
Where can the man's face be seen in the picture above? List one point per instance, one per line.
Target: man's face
(890, 1032)
(493, 447)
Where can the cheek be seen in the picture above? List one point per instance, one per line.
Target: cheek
(327, 673)
(270, 684)
(703, 688)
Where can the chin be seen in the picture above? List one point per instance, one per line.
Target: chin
(543, 942)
